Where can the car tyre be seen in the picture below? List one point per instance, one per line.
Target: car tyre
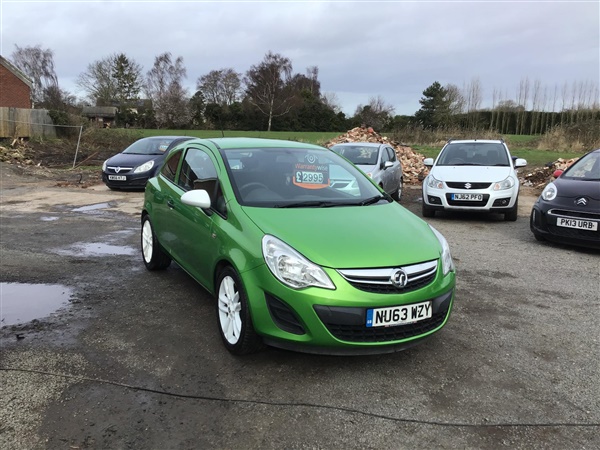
(233, 315)
(398, 194)
(155, 258)
(428, 211)
(512, 213)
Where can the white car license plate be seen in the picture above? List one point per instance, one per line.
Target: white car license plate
(576, 223)
(468, 197)
(398, 315)
(117, 177)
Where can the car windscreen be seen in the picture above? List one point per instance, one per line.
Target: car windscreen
(474, 154)
(297, 177)
(361, 155)
(149, 146)
(585, 168)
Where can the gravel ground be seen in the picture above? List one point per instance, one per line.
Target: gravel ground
(134, 359)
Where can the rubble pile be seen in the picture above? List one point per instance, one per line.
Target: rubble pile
(16, 155)
(543, 175)
(412, 162)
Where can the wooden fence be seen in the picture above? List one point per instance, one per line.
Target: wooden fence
(26, 123)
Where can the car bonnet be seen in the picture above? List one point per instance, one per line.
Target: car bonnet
(471, 173)
(351, 236)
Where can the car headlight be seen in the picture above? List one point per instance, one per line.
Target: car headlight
(504, 184)
(447, 263)
(104, 166)
(549, 193)
(290, 267)
(144, 167)
(433, 182)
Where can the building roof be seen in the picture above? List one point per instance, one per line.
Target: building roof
(16, 72)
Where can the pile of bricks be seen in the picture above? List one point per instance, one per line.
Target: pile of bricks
(412, 162)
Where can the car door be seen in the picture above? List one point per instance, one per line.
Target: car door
(395, 170)
(386, 174)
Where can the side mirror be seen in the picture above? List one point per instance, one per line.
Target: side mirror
(428, 162)
(196, 197)
(387, 165)
(557, 173)
(520, 162)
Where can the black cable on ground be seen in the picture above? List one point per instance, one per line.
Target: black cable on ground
(310, 405)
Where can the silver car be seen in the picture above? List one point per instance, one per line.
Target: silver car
(378, 161)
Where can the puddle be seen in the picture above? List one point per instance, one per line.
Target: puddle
(22, 303)
(97, 249)
(94, 207)
(48, 218)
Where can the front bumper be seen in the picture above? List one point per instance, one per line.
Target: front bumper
(315, 320)
(492, 201)
(131, 181)
(543, 222)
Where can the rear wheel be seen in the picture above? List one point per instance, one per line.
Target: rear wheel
(233, 314)
(512, 213)
(398, 194)
(155, 258)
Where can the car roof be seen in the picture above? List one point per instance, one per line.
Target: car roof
(244, 142)
(474, 141)
(355, 144)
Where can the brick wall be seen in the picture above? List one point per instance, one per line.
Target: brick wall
(13, 92)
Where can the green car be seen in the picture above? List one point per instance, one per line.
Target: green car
(300, 249)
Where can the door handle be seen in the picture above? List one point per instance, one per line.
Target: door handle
(170, 204)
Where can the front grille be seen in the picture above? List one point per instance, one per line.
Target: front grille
(379, 280)
(122, 170)
(575, 214)
(480, 204)
(360, 333)
(461, 185)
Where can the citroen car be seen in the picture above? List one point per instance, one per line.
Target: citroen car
(292, 259)
(568, 210)
(473, 175)
(132, 168)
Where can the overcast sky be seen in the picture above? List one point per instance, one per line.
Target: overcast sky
(392, 49)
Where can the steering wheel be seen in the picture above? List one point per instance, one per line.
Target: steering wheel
(245, 189)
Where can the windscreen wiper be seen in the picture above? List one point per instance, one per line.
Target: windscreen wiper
(310, 204)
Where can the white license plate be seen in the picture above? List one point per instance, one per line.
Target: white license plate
(117, 177)
(398, 315)
(577, 223)
(468, 197)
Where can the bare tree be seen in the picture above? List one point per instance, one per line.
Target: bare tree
(220, 86)
(38, 64)
(376, 113)
(331, 100)
(455, 98)
(164, 86)
(112, 80)
(266, 86)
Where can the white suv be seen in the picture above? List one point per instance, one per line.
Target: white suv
(473, 175)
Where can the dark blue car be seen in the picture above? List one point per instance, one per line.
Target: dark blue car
(568, 211)
(132, 168)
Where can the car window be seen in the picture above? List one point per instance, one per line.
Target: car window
(149, 146)
(196, 165)
(169, 170)
(474, 153)
(286, 177)
(586, 168)
(391, 154)
(357, 154)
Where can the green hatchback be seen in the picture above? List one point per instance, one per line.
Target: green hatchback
(300, 249)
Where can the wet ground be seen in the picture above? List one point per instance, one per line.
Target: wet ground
(118, 357)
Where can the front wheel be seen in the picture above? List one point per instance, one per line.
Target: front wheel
(512, 213)
(155, 258)
(233, 314)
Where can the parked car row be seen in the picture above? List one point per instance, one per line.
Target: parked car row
(304, 247)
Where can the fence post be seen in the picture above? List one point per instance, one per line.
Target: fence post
(77, 149)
